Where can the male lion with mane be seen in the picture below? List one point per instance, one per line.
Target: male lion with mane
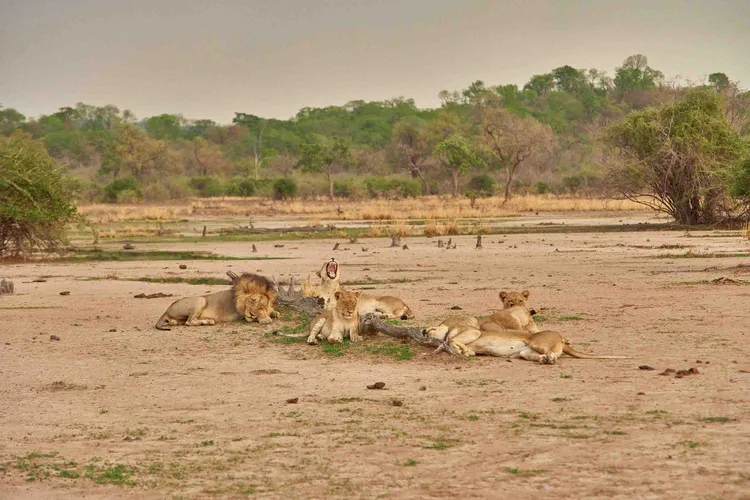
(251, 298)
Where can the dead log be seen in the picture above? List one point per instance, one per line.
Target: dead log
(6, 287)
(279, 230)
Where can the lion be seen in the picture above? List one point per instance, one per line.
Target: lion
(251, 297)
(341, 321)
(463, 333)
(329, 275)
(384, 306)
(515, 314)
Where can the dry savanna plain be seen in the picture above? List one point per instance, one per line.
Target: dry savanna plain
(96, 403)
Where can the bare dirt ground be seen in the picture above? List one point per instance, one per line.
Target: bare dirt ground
(116, 409)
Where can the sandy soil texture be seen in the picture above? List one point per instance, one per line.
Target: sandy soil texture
(116, 409)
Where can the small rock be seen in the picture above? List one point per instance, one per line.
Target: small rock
(508, 360)
(292, 401)
(130, 438)
(641, 394)
(377, 385)
(113, 329)
(127, 246)
(397, 402)
(693, 371)
(405, 247)
(457, 308)
(423, 388)
(645, 367)
(183, 266)
(54, 337)
(66, 292)
(39, 280)
(668, 371)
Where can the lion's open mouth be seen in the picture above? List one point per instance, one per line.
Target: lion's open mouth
(332, 269)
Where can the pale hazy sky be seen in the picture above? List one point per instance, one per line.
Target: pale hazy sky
(210, 58)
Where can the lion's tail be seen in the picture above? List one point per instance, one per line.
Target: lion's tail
(582, 355)
(163, 322)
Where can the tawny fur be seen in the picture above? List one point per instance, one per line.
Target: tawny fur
(515, 314)
(251, 297)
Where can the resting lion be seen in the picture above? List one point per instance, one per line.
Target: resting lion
(329, 276)
(251, 297)
(464, 335)
(384, 306)
(515, 314)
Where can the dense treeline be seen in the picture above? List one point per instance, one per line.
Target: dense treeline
(542, 137)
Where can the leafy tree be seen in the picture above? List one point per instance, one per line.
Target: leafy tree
(636, 74)
(165, 127)
(678, 158)
(720, 81)
(35, 201)
(541, 84)
(513, 140)
(569, 79)
(208, 157)
(411, 149)
(255, 125)
(457, 156)
(318, 158)
(284, 188)
(10, 120)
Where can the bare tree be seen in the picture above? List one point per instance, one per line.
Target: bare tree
(512, 140)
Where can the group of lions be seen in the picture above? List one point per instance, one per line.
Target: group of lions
(509, 332)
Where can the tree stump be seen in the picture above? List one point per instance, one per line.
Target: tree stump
(479, 241)
(395, 240)
(204, 232)
(6, 287)
(440, 244)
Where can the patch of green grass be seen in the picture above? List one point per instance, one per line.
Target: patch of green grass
(98, 255)
(336, 350)
(210, 442)
(410, 463)
(528, 416)
(523, 472)
(190, 281)
(399, 352)
(472, 418)
(300, 323)
(68, 474)
(439, 444)
(656, 412)
(571, 318)
(118, 475)
(721, 420)
(691, 444)
(540, 318)
(559, 400)
(562, 375)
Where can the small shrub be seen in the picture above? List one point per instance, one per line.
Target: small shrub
(206, 186)
(240, 186)
(155, 192)
(483, 185)
(343, 189)
(284, 188)
(128, 196)
(542, 187)
(113, 189)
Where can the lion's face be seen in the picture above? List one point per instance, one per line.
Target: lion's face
(257, 305)
(511, 299)
(329, 270)
(346, 303)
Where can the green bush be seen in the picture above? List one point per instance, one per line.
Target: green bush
(284, 188)
(206, 186)
(483, 185)
(344, 189)
(113, 189)
(240, 186)
(35, 202)
(542, 187)
(384, 187)
(128, 196)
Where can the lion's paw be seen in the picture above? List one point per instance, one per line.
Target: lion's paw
(544, 359)
(264, 321)
(275, 314)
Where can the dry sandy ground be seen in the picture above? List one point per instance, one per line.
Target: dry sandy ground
(116, 409)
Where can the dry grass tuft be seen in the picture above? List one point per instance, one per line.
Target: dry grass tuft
(436, 228)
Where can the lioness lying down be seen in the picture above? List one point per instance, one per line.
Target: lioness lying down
(251, 297)
(515, 314)
(463, 334)
(384, 306)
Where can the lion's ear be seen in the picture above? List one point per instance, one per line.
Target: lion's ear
(525, 294)
(503, 295)
(318, 273)
(338, 295)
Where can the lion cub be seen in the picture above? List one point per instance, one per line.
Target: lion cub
(384, 306)
(515, 314)
(341, 321)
